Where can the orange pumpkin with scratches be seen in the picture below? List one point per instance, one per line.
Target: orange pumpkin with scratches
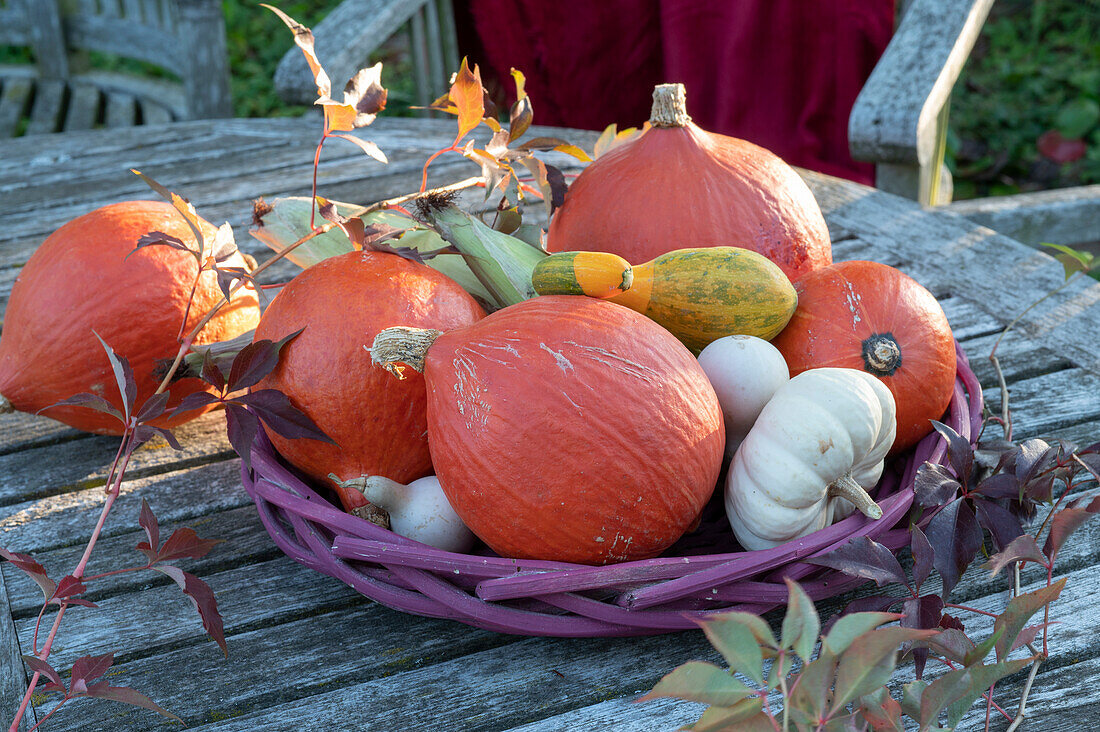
(80, 282)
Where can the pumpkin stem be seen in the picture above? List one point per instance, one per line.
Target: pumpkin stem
(881, 354)
(669, 106)
(846, 487)
(5, 405)
(402, 345)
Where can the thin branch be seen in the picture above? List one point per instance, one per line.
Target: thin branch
(1023, 697)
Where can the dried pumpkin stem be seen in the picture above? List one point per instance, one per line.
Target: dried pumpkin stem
(669, 106)
(5, 405)
(402, 345)
(846, 487)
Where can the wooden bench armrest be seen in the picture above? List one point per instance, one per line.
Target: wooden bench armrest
(343, 41)
(894, 119)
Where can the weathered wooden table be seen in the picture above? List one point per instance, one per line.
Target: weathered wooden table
(307, 652)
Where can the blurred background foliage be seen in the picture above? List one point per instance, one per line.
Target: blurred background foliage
(1034, 72)
(1032, 84)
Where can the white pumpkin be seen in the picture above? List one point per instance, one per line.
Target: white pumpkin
(745, 372)
(821, 439)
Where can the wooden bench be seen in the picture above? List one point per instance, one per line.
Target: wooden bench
(62, 92)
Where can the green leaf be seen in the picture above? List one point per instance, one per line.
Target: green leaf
(911, 696)
(1077, 118)
(733, 637)
(701, 682)
(850, 627)
(869, 662)
(801, 624)
(882, 711)
(502, 263)
(1073, 260)
(283, 221)
(956, 690)
(1019, 611)
(815, 681)
(719, 719)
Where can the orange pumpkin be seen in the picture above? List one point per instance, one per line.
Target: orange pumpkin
(572, 429)
(678, 186)
(870, 316)
(378, 422)
(80, 280)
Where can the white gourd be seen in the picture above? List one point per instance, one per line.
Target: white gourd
(824, 434)
(418, 511)
(745, 372)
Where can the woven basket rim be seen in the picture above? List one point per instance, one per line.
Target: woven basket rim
(548, 598)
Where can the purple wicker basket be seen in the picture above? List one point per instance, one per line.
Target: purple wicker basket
(702, 574)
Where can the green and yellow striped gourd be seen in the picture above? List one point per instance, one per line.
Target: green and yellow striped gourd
(699, 294)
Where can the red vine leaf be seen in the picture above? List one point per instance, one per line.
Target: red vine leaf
(278, 413)
(210, 373)
(90, 401)
(36, 571)
(202, 597)
(148, 521)
(89, 668)
(152, 407)
(1022, 548)
(864, 557)
(1066, 521)
(143, 433)
(39, 666)
(257, 360)
(159, 238)
(195, 400)
(124, 376)
(184, 543)
(1019, 611)
(468, 98)
(126, 695)
(956, 536)
(242, 426)
(67, 588)
(185, 209)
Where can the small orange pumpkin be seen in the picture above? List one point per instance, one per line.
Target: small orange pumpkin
(869, 316)
(378, 422)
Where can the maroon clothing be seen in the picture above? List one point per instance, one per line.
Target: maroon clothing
(781, 73)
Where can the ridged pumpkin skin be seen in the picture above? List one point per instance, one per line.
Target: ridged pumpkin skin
(848, 309)
(79, 281)
(699, 295)
(572, 429)
(377, 421)
(676, 187)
